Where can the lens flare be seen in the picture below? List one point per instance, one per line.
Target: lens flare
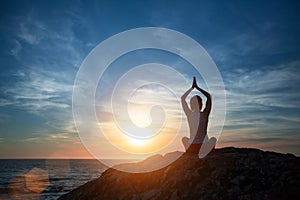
(139, 142)
(142, 114)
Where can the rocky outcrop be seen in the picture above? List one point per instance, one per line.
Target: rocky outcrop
(227, 173)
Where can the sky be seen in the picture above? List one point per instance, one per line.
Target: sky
(254, 44)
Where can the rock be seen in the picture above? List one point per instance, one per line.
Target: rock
(237, 180)
(149, 195)
(227, 173)
(174, 196)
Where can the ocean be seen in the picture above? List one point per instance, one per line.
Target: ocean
(45, 179)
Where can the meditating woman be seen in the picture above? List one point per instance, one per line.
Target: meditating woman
(198, 121)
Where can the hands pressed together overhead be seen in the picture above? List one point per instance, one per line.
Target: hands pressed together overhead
(195, 83)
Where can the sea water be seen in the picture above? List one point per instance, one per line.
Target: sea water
(45, 179)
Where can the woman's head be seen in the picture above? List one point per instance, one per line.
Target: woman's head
(196, 103)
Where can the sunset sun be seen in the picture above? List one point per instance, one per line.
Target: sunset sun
(139, 142)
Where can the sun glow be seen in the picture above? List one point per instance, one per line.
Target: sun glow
(139, 142)
(147, 121)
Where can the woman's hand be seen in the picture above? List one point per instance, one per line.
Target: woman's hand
(194, 83)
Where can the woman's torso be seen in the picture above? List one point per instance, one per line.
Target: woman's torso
(198, 127)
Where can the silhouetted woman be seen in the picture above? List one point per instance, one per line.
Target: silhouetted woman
(197, 120)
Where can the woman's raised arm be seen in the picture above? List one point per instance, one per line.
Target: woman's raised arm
(185, 107)
(207, 108)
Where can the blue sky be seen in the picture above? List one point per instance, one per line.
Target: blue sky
(256, 46)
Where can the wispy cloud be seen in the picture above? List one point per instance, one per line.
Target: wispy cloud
(264, 88)
(38, 89)
(46, 46)
(5, 102)
(16, 49)
(2, 140)
(53, 137)
(31, 30)
(263, 105)
(48, 53)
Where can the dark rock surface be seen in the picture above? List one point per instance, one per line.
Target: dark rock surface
(227, 173)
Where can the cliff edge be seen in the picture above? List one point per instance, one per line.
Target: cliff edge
(227, 173)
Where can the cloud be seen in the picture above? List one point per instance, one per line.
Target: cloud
(264, 88)
(38, 89)
(5, 102)
(58, 138)
(49, 65)
(50, 42)
(245, 44)
(16, 49)
(31, 31)
(46, 94)
(263, 106)
(49, 52)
